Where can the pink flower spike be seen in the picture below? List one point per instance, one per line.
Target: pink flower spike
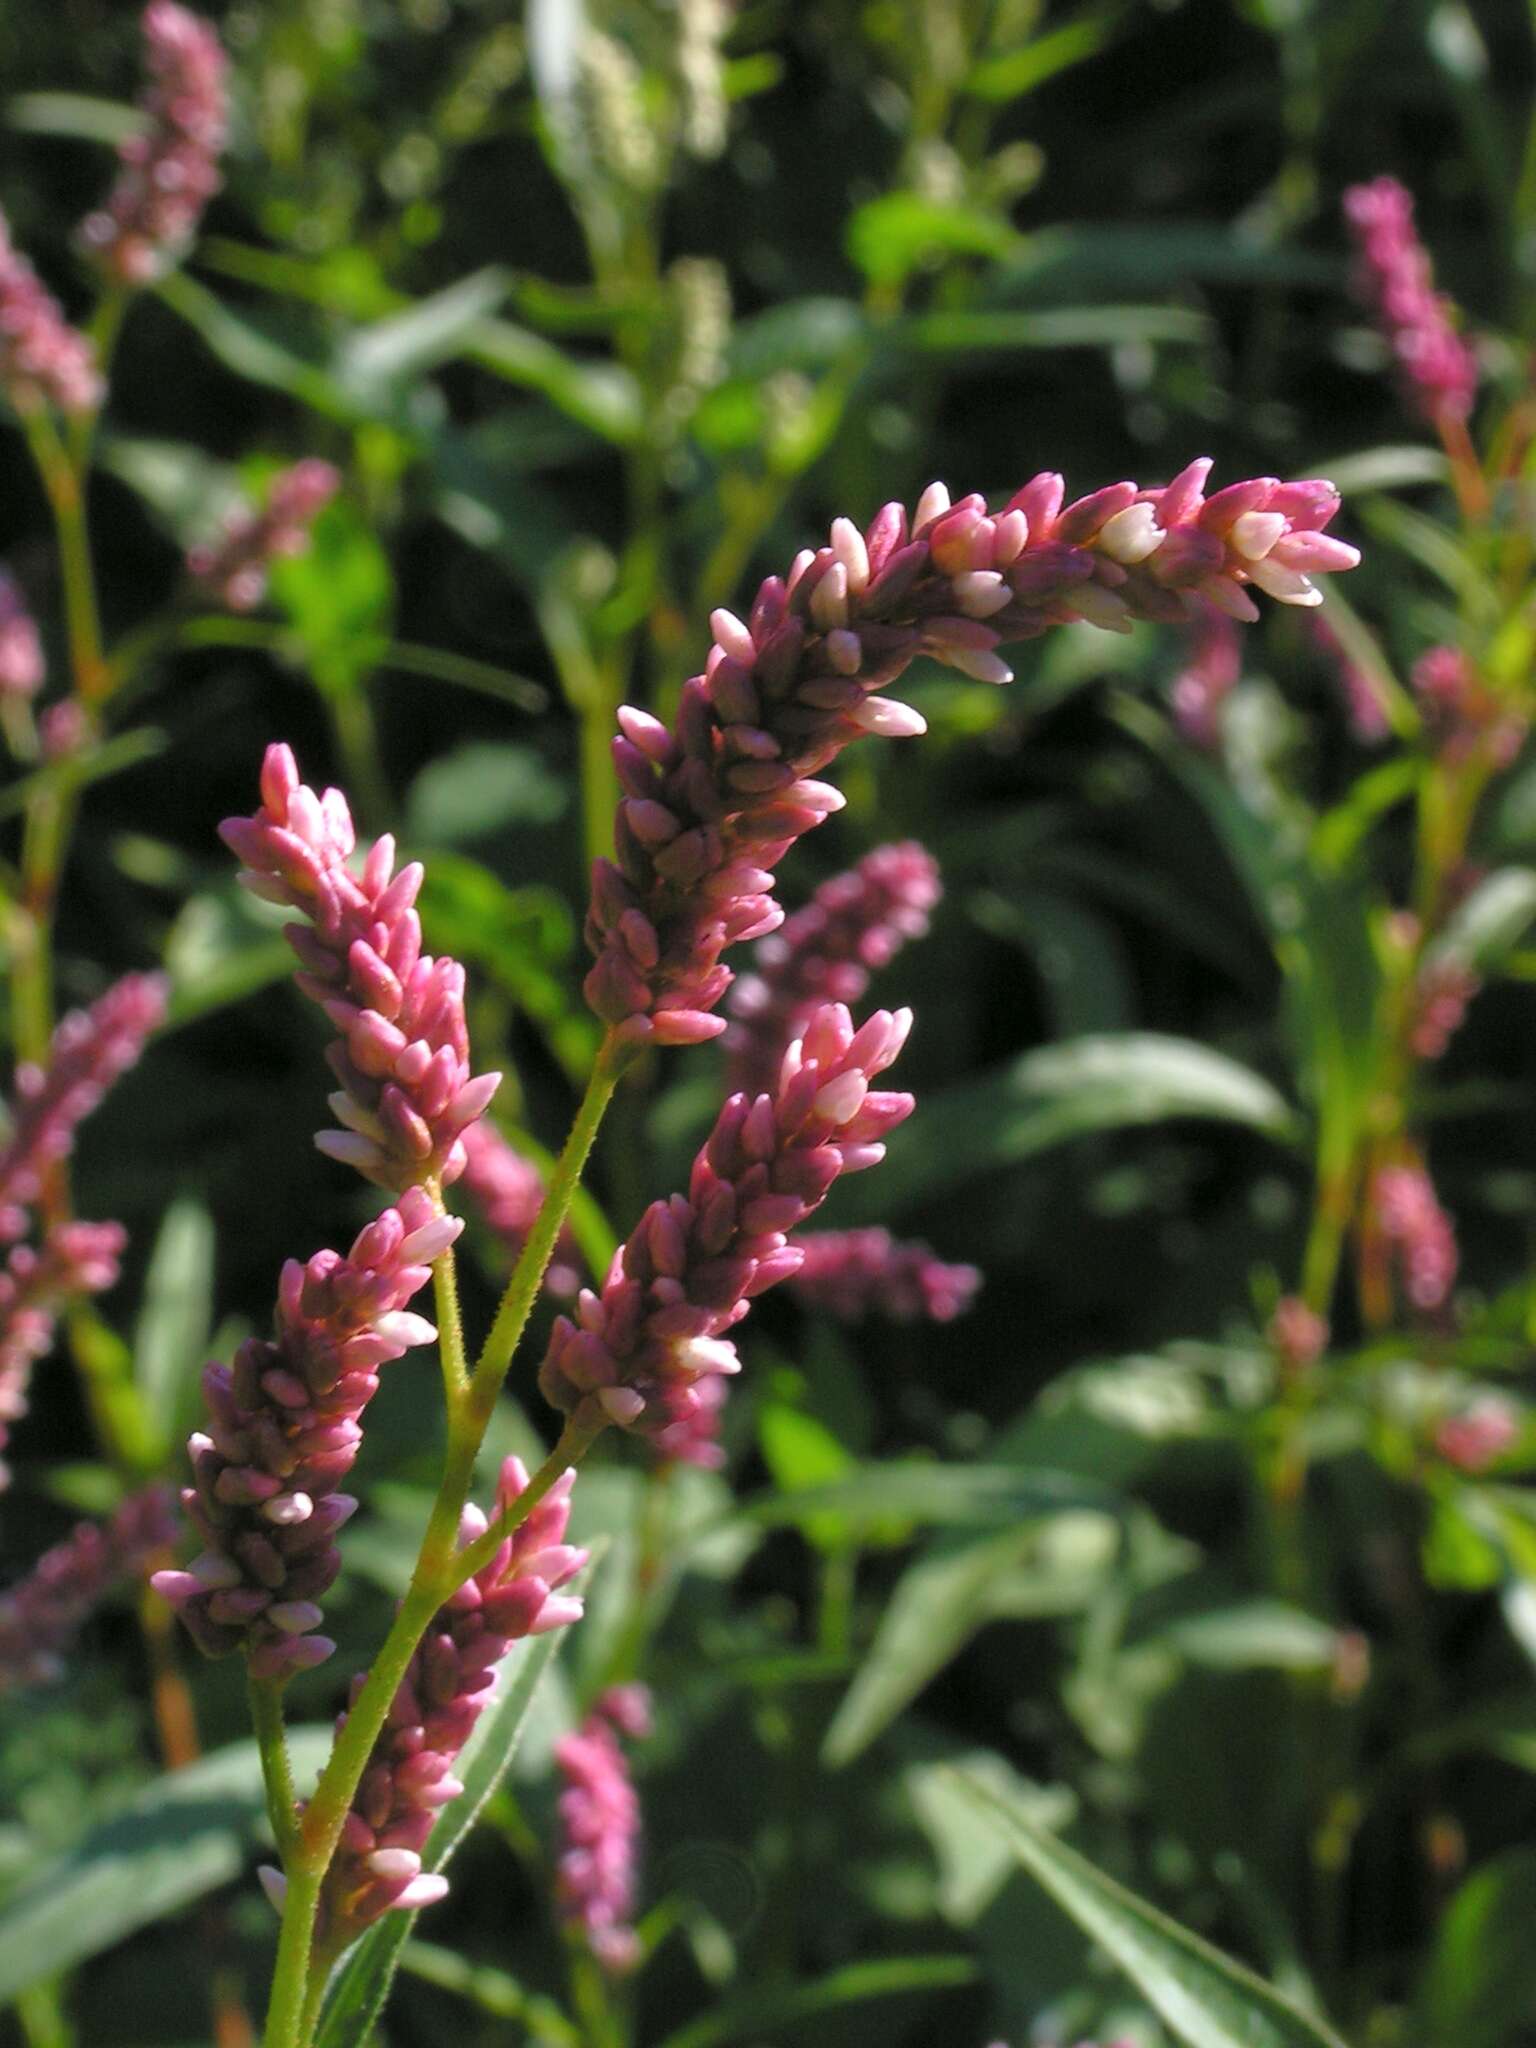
(727, 790)
(1394, 278)
(854, 1274)
(170, 165)
(447, 1684)
(693, 1264)
(233, 568)
(43, 361)
(21, 651)
(600, 1829)
(408, 1095)
(284, 1428)
(41, 1616)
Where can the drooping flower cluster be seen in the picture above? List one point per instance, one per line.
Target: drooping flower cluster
(852, 1274)
(233, 569)
(508, 1190)
(1395, 279)
(711, 805)
(21, 651)
(1479, 1436)
(447, 1685)
(73, 1259)
(43, 360)
(1213, 662)
(1412, 1221)
(88, 1051)
(41, 1616)
(825, 953)
(170, 164)
(1462, 716)
(600, 1828)
(1363, 707)
(634, 1352)
(402, 1059)
(284, 1425)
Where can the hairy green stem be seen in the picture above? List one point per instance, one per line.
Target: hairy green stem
(450, 1328)
(528, 1274)
(276, 1766)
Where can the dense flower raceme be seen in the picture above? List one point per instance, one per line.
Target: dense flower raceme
(600, 1827)
(449, 1681)
(234, 567)
(21, 651)
(402, 1059)
(508, 1191)
(1412, 1221)
(170, 164)
(1461, 715)
(1441, 994)
(43, 361)
(88, 1051)
(1298, 1333)
(825, 953)
(41, 1616)
(1395, 280)
(711, 804)
(35, 1281)
(1213, 662)
(635, 1352)
(852, 1274)
(284, 1425)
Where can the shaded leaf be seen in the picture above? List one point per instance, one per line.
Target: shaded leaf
(1207, 1999)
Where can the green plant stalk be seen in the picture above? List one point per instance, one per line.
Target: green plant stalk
(440, 1568)
(276, 1766)
(528, 1274)
(450, 1326)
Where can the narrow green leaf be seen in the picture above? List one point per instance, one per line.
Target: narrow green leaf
(1490, 922)
(170, 1337)
(1060, 327)
(186, 1834)
(911, 1491)
(1207, 1999)
(362, 1984)
(375, 361)
(1479, 1987)
(1103, 1081)
(896, 234)
(80, 115)
(781, 2005)
(1013, 73)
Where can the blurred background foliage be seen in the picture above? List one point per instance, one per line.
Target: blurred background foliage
(603, 312)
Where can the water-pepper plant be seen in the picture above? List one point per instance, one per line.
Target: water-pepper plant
(1078, 1588)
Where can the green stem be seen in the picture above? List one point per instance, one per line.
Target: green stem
(450, 1328)
(528, 1274)
(276, 1765)
(289, 2006)
(358, 738)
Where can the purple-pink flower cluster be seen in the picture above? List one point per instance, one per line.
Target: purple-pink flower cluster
(1213, 662)
(233, 569)
(43, 360)
(88, 1051)
(711, 804)
(170, 164)
(35, 1281)
(1412, 1221)
(21, 651)
(600, 1828)
(508, 1190)
(635, 1352)
(852, 1274)
(1363, 707)
(447, 1685)
(825, 953)
(1298, 1333)
(1395, 279)
(1441, 994)
(1479, 1436)
(284, 1425)
(41, 1616)
(407, 1093)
